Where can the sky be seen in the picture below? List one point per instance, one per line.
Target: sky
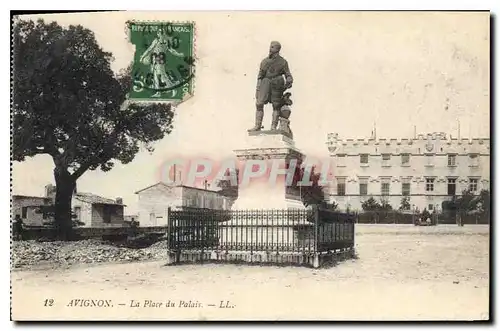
(352, 70)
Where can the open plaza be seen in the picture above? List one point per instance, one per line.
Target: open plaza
(400, 272)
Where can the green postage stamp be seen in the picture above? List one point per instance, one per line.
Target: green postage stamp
(163, 65)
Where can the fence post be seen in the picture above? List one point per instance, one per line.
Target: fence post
(171, 256)
(316, 230)
(169, 229)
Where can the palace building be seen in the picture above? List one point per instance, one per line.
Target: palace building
(428, 169)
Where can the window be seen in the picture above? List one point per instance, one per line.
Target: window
(473, 184)
(474, 160)
(429, 184)
(452, 160)
(341, 160)
(430, 206)
(405, 159)
(405, 186)
(385, 187)
(363, 186)
(24, 212)
(363, 158)
(386, 159)
(452, 186)
(190, 200)
(340, 186)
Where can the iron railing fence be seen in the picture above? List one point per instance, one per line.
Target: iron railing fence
(296, 231)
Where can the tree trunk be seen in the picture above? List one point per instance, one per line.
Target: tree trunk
(65, 185)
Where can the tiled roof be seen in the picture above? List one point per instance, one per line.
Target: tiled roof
(20, 196)
(181, 185)
(95, 199)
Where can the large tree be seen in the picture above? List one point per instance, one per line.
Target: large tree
(69, 104)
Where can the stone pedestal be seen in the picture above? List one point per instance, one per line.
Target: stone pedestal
(271, 146)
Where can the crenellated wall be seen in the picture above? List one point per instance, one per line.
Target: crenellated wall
(434, 143)
(395, 161)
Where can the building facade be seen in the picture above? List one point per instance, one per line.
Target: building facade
(155, 200)
(96, 211)
(28, 208)
(91, 210)
(427, 169)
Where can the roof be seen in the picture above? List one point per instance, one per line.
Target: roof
(170, 186)
(151, 186)
(198, 188)
(95, 199)
(18, 196)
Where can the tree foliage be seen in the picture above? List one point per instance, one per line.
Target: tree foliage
(405, 204)
(313, 194)
(69, 104)
(227, 188)
(468, 203)
(373, 205)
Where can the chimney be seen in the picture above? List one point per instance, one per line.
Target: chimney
(119, 201)
(179, 177)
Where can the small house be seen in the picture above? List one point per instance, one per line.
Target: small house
(155, 200)
(95, 211)
(27, 207)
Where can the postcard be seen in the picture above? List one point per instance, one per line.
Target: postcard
(251, 165)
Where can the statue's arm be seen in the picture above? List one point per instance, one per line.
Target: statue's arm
(287, 73)
(261, 74)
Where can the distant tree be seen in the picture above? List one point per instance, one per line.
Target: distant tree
(68, 104)
(405, 204)
(385, 205)
(313, 194)
(371, 205)
(484, 202)
(467, 202)
(227, 188)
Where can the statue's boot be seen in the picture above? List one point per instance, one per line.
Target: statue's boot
(259, 115)
(276, 116)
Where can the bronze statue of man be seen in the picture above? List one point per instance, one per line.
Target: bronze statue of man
(273, 79)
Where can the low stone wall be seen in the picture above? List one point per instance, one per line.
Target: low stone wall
(305, 258)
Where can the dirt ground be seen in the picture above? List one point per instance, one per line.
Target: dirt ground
(403, 272)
